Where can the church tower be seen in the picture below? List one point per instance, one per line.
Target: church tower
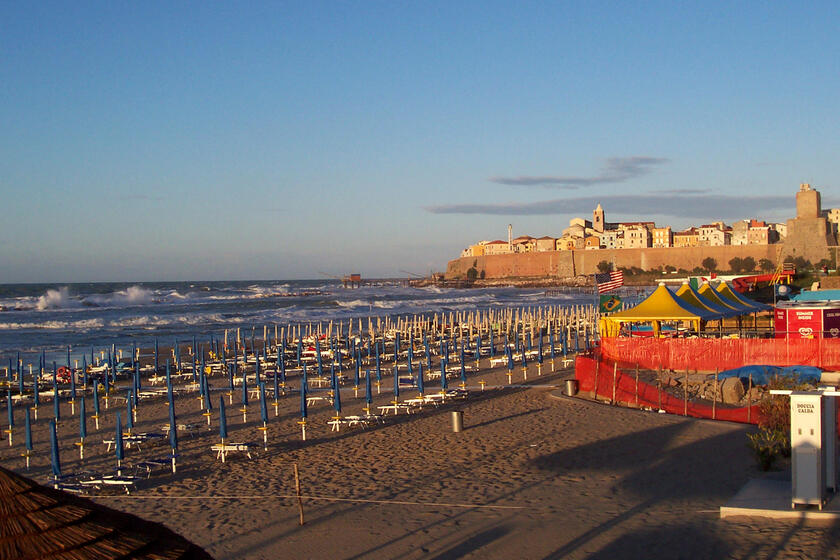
(598, 219)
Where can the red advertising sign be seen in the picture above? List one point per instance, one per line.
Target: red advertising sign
(780, 323)
(831, 323)
(804, 323)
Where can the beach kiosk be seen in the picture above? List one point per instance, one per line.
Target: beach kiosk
(813, 440)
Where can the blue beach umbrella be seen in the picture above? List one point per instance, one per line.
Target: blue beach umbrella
(563, 342)
(257, 375)
(84, 371)
(82, 428)
(264, 416)
(368, 392)
(244, 389)
(129, 416)
(299, 350)
(263, 407)
(357, 354)
(304, 379)
(118, 444)
(11, 415)
(443, 382)
(396, 383)
(303, 409)
(492, 343)
(318, 357)
(276, 389)
(56, 404)
(540, 349)
(20, 381)
(72, 385)
(55, 460)
(222, 420)
(420, 381)
(96, 402)
(35, 395)
(336, 396)
(208, 402)
(509, 353)
(551, 344)
(27, 422)
(173, 430)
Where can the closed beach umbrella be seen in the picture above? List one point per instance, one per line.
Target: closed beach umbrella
(96, 402)
(551, 343)
(303, 410)
(244, 389)
(318, 357)
(28, 435)
(299, 350)
(276, 391)
(56, 404)
(36, 399)
(443, 383)
(173, 430)
(540, 349)
(129, 415)
(509, 353)
(396, 383)
(263, 408)
(368, 392)
(222, 420)
(257, 377)
(420, 377)
(492, 343)
(84, 372)
(82, 428)
(55, 461)
(11, 414)
(118, 444)
(563, 341)
(304, 379)
(20, 381)
(336, 396)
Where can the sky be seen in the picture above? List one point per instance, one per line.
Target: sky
(145, 141)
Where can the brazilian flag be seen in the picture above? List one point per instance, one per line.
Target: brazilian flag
(609, 303)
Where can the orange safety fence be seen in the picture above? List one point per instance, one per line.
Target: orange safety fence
(621, 388)
(719, 354)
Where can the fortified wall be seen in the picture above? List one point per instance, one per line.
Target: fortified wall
(564, 264)
(809, 236)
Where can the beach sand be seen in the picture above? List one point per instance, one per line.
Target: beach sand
(531, 476)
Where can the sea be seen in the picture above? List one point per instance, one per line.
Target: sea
(53, 317)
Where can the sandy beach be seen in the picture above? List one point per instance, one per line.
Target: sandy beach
(531, 476)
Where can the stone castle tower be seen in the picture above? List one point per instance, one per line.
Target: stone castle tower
(598, 219)
(809, 234)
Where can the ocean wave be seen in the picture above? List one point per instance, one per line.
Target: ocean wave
(84, 324)
(133, 295)
(55, 299)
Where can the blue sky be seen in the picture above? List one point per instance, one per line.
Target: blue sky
(167, 141)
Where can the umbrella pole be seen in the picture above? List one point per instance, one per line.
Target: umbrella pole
(173, 461)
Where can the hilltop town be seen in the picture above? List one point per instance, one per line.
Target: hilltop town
(812, 235)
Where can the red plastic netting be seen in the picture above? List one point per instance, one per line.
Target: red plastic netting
(621, 388)
(710, 354)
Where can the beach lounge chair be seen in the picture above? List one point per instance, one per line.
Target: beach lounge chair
(222, 451)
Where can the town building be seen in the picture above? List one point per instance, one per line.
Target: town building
(663, 237)
(686, 238)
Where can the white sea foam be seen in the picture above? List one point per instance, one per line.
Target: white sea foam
(84, 324)
(54, 299)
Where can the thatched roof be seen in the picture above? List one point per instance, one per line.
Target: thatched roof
(40, 522)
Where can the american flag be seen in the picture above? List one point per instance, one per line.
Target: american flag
(609, 281)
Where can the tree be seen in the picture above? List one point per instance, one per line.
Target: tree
(766, 265)
(472, 273)
(736, 264)
(749, 264)
(669, 268)
(709, 264)
(604, 266)
(483, 274)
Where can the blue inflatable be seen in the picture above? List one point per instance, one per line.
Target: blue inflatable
(761, 374)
